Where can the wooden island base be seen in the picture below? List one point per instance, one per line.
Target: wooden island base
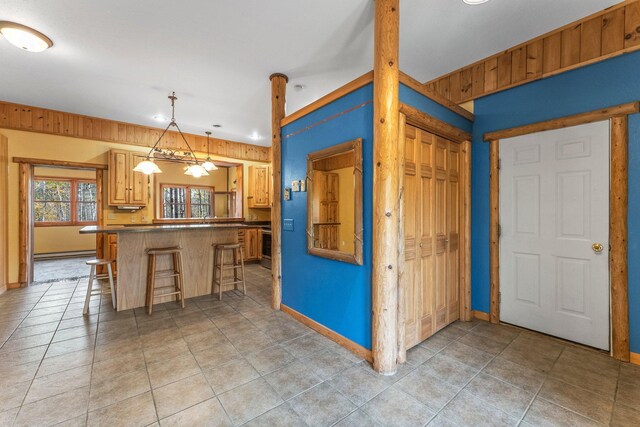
(197, 260)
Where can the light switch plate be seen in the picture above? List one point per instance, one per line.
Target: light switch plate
(287, 194)
(295, 185)
(287, 224)
(303, 185)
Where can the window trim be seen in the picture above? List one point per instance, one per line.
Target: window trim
(188, 189)
(73, 202)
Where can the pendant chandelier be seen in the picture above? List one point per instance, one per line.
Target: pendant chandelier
(194, 168)
(208, 164)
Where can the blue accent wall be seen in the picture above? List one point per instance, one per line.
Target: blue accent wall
(422, 103)
(604, 84)
(336, 294)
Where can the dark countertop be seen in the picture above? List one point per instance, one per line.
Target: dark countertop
(142, 228)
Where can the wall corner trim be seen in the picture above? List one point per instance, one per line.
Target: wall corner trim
(353, 347)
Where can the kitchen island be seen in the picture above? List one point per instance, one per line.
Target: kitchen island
(196, 241)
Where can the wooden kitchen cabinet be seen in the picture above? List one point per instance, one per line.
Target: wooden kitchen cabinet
(126, 187)
(112, 251)
(259, 186)
(250, 238)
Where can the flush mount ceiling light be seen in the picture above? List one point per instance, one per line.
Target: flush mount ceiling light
(148, 167)
(475, 2)
(24, 38)
(208, 165)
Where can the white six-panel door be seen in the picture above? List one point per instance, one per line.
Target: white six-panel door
(554, 212)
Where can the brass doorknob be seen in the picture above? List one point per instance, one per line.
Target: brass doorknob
(597, 247)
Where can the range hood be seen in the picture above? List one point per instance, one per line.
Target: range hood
(129, 208)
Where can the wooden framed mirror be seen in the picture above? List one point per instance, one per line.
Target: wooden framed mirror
(334, 202)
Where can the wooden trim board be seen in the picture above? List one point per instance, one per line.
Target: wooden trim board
(481, 315)
(4, 213)
(635, 358)
(603, 35)
(579, 119)
(618, 206)
(353, 347)
(431, 124)
(364, 80)
(352, 86)
(42, 120)
(60, 163)
(414, 84)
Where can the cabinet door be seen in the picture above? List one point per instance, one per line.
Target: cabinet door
(138, 184)
(251, 244)
(112, 251)
(118, 177)
(259, 194)
(332, 187)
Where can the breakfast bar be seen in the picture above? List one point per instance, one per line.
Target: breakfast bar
(196, 241)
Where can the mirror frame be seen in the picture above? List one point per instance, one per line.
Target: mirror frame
(357, 256)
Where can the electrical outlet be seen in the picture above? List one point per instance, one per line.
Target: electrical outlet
(295, 185)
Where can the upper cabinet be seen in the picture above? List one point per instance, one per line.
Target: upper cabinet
(259, 186)
(126, 187)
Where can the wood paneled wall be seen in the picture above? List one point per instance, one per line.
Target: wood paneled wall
(34, 119)
(611, 32)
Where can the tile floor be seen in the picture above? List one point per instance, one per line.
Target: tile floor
(237, 362)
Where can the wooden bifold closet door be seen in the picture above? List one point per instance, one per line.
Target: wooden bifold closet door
(432, 197)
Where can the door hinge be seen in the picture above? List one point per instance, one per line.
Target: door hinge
(499, 230)
(499, 164)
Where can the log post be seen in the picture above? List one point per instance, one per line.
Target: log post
(386, 201)
(278, 92)
(618, 207)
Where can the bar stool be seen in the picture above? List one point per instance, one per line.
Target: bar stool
(219, 268)
(94, 276)
(175, 271)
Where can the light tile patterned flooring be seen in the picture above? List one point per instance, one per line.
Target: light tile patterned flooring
(237, 361)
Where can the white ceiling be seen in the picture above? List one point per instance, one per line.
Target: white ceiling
(119, 59)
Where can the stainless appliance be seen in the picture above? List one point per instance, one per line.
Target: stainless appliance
(265, 260)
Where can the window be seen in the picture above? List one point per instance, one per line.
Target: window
(182, 201)
(60, 201)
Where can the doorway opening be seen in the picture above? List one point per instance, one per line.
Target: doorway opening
(64, 201)
(57, 199)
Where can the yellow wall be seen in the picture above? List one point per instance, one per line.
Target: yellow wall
(53, 147)
(468, 106)
(48, 240)
(173, 173)
(346, 195)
